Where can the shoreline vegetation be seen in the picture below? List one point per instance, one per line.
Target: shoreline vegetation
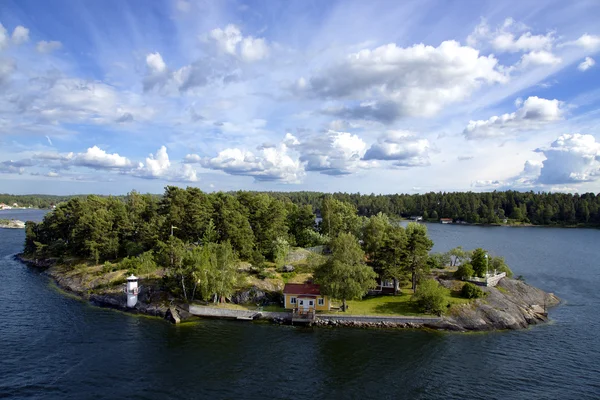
(234, 253)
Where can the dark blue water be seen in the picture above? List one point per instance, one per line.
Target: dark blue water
(55, 347)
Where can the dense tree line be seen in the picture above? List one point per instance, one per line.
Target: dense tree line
(491, 207)
(526, 207)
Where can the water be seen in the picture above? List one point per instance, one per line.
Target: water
(53, 346)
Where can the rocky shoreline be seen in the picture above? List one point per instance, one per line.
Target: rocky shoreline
(512, 304)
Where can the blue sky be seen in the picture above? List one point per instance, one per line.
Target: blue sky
(381, 96)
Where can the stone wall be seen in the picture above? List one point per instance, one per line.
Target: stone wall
(493, 280)
(378, 319)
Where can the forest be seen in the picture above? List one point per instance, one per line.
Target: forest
(487, 208)
(199, 238)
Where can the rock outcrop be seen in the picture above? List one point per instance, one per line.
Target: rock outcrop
(512, 304)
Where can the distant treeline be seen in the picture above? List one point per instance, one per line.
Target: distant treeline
(35, 200)
(488, 208)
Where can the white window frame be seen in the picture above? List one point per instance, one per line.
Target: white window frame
(292, 300)
(321, 302)
(311, 303)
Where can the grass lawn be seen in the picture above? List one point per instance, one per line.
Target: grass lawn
(383, 305)
(395, 305)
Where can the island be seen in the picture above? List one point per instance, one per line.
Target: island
(12, 224)
(252, 256)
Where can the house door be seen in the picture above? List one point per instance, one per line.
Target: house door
(305, 305)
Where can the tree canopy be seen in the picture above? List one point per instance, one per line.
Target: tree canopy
(345, 275)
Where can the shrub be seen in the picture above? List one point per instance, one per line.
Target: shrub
(264, 274)
(430, 297)
(471, 291)
(109, 267)
(464, 271)
(258, 260)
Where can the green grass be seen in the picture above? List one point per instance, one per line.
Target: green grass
(395, 305)
(383, 305)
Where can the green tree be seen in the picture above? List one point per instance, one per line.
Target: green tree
(430, 297)
(457, 255)
(224, 278)
(391, 255)
(171, 254)
(499, 265)
(344, 275)
(464, 271)
(281, 249)
(374, 233)
(338, 217)
(418, 245)
(479, 262)
(232, 224)
(301, 222)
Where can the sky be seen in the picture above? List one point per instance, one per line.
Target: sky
(357, 96)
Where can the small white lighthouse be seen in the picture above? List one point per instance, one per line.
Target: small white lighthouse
(132, 291)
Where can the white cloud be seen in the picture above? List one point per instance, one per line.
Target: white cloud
(404, 148)
(227, 39)
(254, 49)
(332, 152)
(49, 101)
(157, 73)
(533, 113)
(268, 164)
(192, 159)
(392, 82)
(48, 47)
(510, 37)
(159, 166)
(231, 41)
(572, 158)
(585, 41)
(537, 58)
(156, 165)
(53, 174)
(506, 42)
(586, 64)
(489, 184)
(155, 63)
(20, 35)
(97, 158)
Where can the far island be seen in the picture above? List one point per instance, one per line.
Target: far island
(12, 224)
(255, 256)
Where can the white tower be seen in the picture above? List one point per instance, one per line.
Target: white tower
(132, 291)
